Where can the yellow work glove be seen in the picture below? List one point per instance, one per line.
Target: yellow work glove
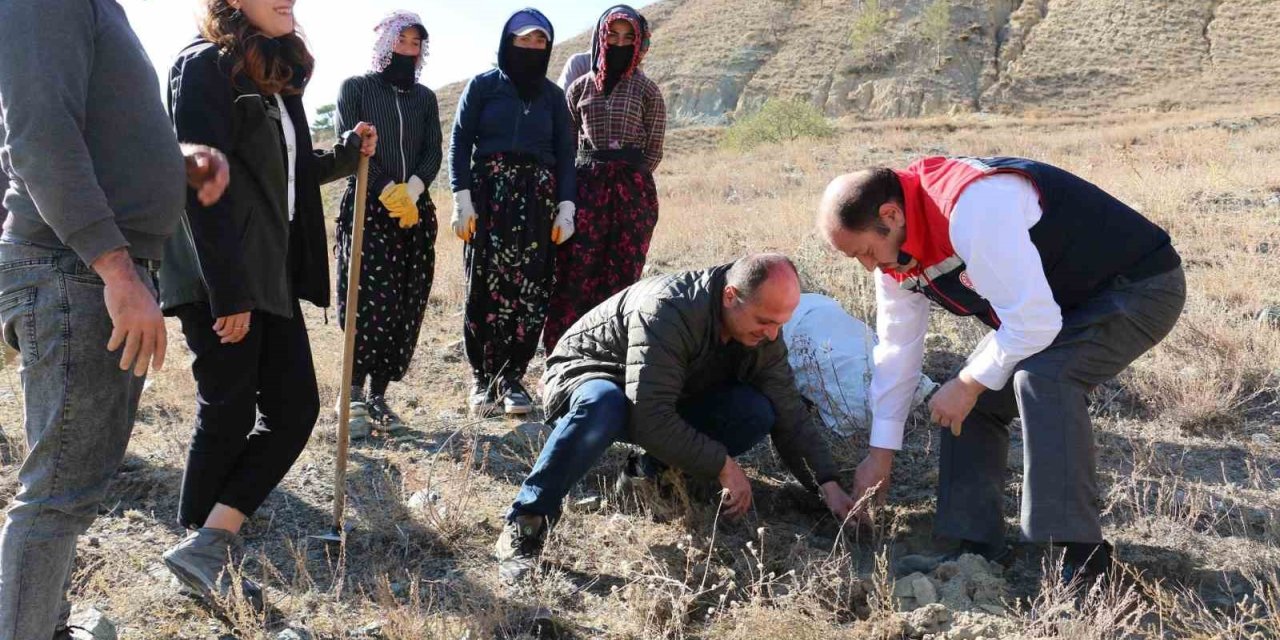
(464, 215)
(400, 205)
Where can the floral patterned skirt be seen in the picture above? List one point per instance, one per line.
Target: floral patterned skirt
(509, 264)
(397, 267)
(617, 211)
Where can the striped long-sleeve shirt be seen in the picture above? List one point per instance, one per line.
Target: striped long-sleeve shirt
(408, 123)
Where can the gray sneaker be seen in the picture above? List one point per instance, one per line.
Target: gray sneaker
(202, 561)
(359, 424)
(519, 547)
(357, 395)
(483, 400)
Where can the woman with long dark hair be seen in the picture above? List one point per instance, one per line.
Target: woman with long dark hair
(235, 273)
(511, 162)
(620, 119)
(400, 221)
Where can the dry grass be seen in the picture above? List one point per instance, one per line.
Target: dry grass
(1188, 445)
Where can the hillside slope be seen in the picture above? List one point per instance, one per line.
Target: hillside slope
(718, 58)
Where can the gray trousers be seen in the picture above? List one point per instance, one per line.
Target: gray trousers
(1049, 391)
(79, 411)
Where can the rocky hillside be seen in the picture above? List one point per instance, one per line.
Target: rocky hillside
(905, 58)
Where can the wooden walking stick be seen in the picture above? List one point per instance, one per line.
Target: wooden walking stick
(348, 356)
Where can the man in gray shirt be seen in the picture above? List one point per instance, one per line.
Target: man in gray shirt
(578, 65)
(97, 184)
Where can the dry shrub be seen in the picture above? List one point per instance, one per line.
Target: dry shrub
(1102, 611)
(1206, 377)
(1182, 613)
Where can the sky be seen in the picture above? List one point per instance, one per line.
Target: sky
(463, 33)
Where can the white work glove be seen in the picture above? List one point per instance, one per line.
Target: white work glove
(562, 230)
(464, 215)
(416, 188)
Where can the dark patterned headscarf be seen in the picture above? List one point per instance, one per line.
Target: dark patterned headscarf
(600, 44)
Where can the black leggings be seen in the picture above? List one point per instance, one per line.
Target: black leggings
(237, 457)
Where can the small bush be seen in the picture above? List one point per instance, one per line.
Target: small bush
(871, 26)
(935, 25)
(778, 121)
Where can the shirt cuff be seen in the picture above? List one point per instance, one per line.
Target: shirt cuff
(887, 433)
(91, 242)
(984, 368)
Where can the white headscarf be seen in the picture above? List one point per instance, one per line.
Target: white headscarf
(389, 30)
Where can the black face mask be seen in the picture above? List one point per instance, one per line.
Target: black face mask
(400, 71)
(527, 69)
(616, 62)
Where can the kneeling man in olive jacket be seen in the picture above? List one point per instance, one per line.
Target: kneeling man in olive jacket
(690, 367)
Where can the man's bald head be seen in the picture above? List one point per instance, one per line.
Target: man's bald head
(760, 294)
(863, 216)
(852, 201)
(751, 273)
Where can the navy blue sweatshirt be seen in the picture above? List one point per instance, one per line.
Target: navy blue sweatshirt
(491, 118)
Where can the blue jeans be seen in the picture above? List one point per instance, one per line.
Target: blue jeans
(79, 409)
(735, 415)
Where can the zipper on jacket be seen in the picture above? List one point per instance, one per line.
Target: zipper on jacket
(404, 161)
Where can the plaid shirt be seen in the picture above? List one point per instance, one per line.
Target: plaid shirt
(633, 116)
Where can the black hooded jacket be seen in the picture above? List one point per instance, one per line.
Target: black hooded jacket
(243, 253)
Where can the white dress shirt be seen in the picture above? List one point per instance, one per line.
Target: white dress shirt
(990, 232)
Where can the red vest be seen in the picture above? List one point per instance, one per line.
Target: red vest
(1085, 237)
(931, 186)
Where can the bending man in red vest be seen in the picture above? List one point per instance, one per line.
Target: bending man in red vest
(1074, 284)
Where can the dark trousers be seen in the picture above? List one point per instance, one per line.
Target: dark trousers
(736, 415)
(1049, 391)
(256, 405)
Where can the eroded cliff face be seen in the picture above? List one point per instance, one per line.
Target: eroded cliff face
(716, 59)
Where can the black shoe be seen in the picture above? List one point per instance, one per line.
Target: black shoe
(1085, 563)
(519, 547)
(383, 418)
(999, 554)
(515, 399)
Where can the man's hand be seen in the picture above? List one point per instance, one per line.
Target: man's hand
(839, 502)
(136, 321)
(208, 172)
(871, 480)
(368, 138)
(737, 489)
(232, 328)
(953, 402)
